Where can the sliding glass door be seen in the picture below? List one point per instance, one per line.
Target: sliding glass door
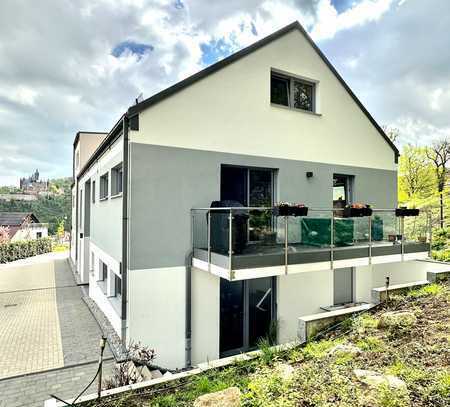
(247, 309)
(250, 187)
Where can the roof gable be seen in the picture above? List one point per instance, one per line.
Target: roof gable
(16, 218)
(136, 109)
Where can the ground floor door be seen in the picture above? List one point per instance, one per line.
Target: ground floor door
(247, 312)
(343, 285)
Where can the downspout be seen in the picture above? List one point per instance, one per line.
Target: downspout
(188, 323)
(125, 125)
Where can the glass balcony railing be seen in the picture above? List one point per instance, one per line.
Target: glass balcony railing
(259, 238)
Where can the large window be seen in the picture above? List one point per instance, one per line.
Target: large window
(104, 186)
(117, 180)
(292, 92)
(342, 190)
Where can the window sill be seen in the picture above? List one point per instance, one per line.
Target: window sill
(292, 109)
(119, 195)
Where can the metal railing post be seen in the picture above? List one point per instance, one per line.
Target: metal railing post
(209, 241)
(230, 243)
(430, 231)
(286, 241)
(370, 239)
(332, 241)
(402, 231)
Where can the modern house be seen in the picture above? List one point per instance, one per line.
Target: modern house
(274, 122)
(23, 226)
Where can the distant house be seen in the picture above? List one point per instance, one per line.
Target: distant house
(23, 226)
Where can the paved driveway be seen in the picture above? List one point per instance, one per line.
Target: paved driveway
(44, 324)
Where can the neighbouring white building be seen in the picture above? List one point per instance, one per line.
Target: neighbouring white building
(23, 226)
(273, 122)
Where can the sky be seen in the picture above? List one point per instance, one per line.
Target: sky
(69, 65)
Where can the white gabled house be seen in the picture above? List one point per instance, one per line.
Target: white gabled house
(273, 122)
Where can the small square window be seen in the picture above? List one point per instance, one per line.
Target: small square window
(292, 92)
(104, 181)
(118, 285)
(93, 191)
(103, 271)
(117, 180)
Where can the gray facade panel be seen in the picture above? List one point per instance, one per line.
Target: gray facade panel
(166, 182)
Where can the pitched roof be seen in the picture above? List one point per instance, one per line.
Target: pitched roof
(136, 109)
(16, 218)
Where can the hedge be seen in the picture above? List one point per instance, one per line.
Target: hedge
(27, 248)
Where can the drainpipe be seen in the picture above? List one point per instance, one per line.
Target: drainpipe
(188, 317)
(125, 125)
(188, 332)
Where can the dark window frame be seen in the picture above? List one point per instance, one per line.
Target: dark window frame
(117, 180)
(117, 285)
(290, 90)
(93, 192)
(104, 186)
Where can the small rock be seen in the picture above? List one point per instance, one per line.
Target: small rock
(397, 319)
(375, 379)
(230, 397)
(156, 374)
(345, 348)
(285, 371)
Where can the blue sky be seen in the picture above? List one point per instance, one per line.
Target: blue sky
(69, 66)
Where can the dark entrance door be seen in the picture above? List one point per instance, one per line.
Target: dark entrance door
(247, 310)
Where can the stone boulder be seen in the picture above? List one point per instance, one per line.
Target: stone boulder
(230, 397)
(397, 319)
(374, 379)
(345, 348)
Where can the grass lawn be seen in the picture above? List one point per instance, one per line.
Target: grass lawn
(322, 372)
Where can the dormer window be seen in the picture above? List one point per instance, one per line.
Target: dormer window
(292, 92)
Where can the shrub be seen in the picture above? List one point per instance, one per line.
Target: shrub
(21, 250)
(440, 239)
(441, 255)
(428, 290)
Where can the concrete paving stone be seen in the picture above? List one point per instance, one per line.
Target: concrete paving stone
(48, 328)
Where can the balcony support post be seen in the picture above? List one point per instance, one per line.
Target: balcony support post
(209, 241)
(370, 240)
(332, 241)
(286, 241)
(230, 243)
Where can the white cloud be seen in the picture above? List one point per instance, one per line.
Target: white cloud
(57, 74)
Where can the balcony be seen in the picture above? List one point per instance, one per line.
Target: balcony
(264, 244)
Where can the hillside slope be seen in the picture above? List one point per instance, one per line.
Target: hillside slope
(384, 358)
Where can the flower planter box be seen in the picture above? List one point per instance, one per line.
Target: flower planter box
(286, 210)
(356, 212)
(406, 212)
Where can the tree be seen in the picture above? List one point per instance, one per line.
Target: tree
(415, 173)
(60, 230)
(392, 132)
(439, 155)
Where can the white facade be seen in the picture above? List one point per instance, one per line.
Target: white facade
(99, 239)
(241, 92)
(228, 111)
